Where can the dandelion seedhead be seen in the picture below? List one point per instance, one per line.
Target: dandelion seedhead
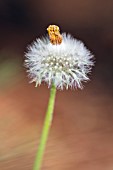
(58, 59)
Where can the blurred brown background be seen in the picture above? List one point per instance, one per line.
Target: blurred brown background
(81, 136)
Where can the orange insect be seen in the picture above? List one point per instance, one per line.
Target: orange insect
(54, 34)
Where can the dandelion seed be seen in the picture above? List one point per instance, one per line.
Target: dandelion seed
(64, 62)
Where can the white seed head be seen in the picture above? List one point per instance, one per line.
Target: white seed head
(65, 65)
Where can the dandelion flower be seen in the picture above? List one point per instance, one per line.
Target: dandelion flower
(64, 64)
(61, 61)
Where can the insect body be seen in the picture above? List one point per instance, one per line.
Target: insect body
(54, 34)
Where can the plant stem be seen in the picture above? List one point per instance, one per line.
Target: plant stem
(46, 128)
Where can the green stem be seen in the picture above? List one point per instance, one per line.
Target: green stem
(45, 131)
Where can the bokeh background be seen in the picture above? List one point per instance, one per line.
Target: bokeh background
(81, 136)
